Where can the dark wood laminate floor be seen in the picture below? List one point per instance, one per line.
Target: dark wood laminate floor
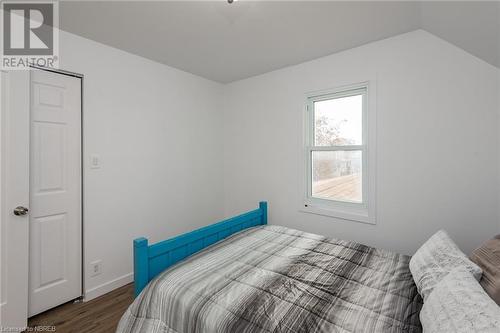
(100, 315)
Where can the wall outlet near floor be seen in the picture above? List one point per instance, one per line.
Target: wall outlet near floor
(95, 161)
(95, 268)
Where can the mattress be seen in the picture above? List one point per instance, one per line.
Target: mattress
(275, 279)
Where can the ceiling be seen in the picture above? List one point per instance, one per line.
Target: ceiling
(228, 42)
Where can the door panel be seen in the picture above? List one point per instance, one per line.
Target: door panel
(49, 155)
(14, 191)
(49, 251)
(55, 183)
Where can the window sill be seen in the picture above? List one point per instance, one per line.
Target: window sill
(361, 217)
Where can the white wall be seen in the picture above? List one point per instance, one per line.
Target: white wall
(158, 133)
(437, 142)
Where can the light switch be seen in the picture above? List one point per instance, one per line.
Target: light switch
(95, 162)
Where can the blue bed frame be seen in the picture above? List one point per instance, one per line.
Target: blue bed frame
(151, 260)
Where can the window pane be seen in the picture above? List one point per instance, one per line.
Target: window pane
(338, 122)
(336, 175)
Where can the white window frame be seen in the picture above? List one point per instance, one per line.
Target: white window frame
(360, 212)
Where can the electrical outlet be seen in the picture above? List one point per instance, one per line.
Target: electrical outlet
(95, 161)
(95, 268)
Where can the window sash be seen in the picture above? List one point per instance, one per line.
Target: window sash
(311, 126)
(345, 203)
(337, 148)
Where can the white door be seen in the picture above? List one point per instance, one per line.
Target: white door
(14, 191)
(55, 275)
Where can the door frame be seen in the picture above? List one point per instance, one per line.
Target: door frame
(82, 162)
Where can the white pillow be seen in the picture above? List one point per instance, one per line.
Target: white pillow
(435, 259)
(459, 304)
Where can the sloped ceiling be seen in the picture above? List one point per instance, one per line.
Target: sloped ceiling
(228, 42)
(471, 25)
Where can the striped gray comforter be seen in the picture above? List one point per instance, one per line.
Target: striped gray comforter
(275, 279)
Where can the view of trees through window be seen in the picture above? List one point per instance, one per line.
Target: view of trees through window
(337, 173)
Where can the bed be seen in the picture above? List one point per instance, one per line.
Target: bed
(242, 275)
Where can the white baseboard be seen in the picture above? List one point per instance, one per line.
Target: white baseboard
(108, 286)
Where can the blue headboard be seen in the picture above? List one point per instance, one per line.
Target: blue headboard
(151, 260)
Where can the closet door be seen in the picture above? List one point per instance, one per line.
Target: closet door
(55, 191)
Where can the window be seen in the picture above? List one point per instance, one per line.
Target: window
(337, 156)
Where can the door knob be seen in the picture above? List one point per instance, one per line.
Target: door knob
(20, 211)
